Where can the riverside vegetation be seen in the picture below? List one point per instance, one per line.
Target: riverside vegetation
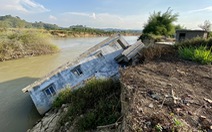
(197, 49)
(21, 43)
(95, 104)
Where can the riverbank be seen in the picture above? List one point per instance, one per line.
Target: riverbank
(154, 98)
(16, 44)
(70, 33)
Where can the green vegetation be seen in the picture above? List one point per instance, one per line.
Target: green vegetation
(20, 43)
(197, 49)
(95, 104)
(150, 38)
(158, 128)
(199, 54)
(161, 23)
(159, 27)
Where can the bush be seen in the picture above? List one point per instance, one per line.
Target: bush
(98, 101)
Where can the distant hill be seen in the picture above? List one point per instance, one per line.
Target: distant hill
(9, 21)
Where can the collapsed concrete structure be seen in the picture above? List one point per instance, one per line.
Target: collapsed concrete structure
(97, 62)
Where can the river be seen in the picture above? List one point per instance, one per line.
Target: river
(17, 112)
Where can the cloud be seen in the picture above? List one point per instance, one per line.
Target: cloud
(23, 6)
(52, 17)
(94, 15)
(102, 20)
(209, 9)
(91, 15)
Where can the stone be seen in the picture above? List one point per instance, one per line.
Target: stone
(65, 109)
(151, 105)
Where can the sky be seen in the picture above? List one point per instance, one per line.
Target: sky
(121, 14)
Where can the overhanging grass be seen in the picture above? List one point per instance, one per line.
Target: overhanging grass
(98, 103)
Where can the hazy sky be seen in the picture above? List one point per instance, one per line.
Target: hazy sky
(127, 14)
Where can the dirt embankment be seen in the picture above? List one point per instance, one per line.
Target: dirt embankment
(167, 94)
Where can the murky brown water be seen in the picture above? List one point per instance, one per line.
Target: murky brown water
(17, 112)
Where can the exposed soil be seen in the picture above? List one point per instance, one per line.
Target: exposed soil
(167, 94)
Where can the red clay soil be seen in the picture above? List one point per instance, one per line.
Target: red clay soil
(168, 94)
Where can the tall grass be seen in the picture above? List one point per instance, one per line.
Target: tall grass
(20, 43)
(98, 103)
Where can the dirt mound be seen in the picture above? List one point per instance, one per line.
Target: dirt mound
(167, 94)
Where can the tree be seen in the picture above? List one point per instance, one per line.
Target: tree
(177, 27)
(206, 26)
(161, 23)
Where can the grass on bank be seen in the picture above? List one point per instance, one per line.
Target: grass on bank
(199, 54)
(20, 43)
(95, 104)
(197, 50)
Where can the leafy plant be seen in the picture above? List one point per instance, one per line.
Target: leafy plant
(158, 128)
(177, 123)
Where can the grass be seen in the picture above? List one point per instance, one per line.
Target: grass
(195, 42)
(20, 43)
(97, 103)
(199, 54)
(197, 50)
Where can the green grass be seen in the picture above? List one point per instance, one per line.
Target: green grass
(20, 43)
(97, 103)
(198, 54)
(197, 50)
